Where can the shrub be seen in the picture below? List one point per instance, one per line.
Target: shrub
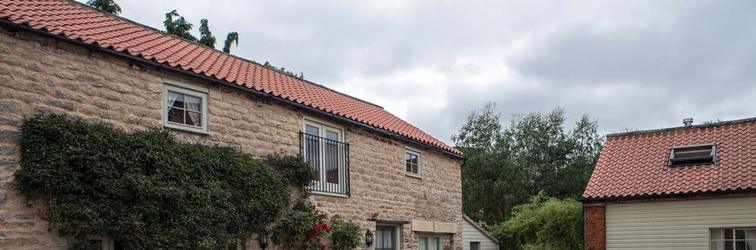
(543, 223)
(345, 234)
(147, 190)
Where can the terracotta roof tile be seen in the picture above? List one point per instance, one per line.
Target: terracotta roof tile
(76, 21)
(635, 163)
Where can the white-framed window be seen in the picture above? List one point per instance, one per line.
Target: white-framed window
(732, 238)
(428, 242)
(184, 107)
(412, 162)
(324, 148)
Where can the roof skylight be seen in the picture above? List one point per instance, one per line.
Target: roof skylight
(702, 154)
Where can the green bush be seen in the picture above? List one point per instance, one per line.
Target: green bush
(345, 234)
(543, 223)
(147, 190)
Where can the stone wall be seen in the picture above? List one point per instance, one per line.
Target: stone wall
(49, 76)
(594, 226)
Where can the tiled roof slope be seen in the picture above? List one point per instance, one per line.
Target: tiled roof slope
(635, 164)
(76, 21)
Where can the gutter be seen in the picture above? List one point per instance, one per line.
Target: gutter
(691, 195)
(15, 27)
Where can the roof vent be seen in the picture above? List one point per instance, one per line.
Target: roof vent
(702, 154)
(688, 122)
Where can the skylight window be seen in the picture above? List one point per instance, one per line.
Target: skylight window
(702, 154)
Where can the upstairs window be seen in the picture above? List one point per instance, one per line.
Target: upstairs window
(693, 155)
(412, 162)
(324, 148)
(185, 108)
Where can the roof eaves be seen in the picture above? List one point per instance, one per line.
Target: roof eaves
(613, 198)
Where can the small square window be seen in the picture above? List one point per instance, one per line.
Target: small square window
(412, 162)
(185, 108)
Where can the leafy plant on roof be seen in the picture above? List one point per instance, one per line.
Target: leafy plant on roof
(283, 70)
(232, 37)
(107, 6)
(177, 25)
(206, 37)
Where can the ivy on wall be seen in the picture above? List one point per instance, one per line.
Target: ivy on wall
(146, 189)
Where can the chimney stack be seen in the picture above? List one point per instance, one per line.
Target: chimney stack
(688, 122)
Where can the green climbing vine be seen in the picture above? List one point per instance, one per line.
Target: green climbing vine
(146, 189)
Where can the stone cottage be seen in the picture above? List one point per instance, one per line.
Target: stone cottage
(59, 56)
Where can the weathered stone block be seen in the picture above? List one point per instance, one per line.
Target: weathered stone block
(13, 107)
(69, 95)
(93, 80)
(69, 105)
(9, 136)
(110, 95)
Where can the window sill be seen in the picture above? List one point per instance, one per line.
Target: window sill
(186, 129)
(417, 176)
(328, 194)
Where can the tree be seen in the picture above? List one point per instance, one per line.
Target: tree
(107, 6)
(179, 27)
(232, 37)
(543, 224)
(506, 166)
(206, 37)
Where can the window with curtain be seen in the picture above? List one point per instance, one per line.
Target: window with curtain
(384, 238)
(324, 148)
(428, 243)
(185, 108)
(733, 239)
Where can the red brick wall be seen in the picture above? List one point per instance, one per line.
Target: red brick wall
(594, 226)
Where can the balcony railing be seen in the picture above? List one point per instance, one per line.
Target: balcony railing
(330, 162)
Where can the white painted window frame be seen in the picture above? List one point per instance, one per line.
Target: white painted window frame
(185, 90)
(734, 239)
(412, 151)
(324, 126)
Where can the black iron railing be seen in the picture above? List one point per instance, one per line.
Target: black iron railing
(330, 162)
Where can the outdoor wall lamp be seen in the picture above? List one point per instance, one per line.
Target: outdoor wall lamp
(369, 238)
(263, 240)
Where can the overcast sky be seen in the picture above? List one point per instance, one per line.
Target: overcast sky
(627, 64)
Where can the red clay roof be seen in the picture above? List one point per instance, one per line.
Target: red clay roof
(76, 21)
(635, 164)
